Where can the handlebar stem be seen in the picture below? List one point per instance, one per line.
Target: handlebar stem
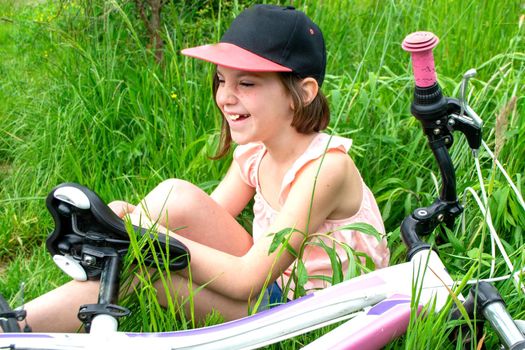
(424, 221)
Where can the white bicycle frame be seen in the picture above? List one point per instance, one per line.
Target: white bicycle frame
(385, 294)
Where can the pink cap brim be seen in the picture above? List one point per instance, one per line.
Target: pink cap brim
(233, 56)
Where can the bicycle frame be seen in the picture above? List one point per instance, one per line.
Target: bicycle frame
(387, 291)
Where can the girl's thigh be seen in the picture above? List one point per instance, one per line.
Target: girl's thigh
(187, 210)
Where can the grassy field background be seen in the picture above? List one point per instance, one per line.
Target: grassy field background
(82, 100)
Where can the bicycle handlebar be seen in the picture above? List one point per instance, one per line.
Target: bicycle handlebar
(484, 298)
(432, 109)
(420, 45)
(439, 117)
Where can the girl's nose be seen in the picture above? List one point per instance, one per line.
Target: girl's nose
(225, 95)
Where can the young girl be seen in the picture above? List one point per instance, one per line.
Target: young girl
(270, 65)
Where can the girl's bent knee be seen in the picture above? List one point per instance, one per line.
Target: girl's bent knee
(173, 184)
(174, 201)
(180, 189)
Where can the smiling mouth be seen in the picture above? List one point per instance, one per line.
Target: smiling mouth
(236, 117)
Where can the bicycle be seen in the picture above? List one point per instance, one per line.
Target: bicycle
(89, 242)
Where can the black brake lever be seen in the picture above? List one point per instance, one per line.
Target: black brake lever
(461, 120)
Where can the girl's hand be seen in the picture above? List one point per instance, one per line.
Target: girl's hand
(121, 208)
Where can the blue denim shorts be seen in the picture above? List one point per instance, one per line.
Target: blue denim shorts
(273, 296)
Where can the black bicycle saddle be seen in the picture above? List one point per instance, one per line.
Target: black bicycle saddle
(86, 229)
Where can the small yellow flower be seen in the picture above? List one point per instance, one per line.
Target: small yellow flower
(173, 95)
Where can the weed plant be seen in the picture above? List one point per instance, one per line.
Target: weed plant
(82, 100)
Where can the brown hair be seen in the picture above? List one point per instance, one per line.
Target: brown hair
(307, 118)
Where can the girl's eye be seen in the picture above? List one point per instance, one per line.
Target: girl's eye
(246, 83)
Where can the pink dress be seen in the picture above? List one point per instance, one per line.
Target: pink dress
(315, 259)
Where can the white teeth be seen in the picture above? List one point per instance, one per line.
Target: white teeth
(234, 116)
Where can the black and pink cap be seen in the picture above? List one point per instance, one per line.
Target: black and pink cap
(268, 38)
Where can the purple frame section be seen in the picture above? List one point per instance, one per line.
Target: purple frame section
(226, 325)
(387, 326)
(386, 305)
(362, 282)
(372, 330)
(25, 335)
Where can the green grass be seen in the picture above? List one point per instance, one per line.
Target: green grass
(82, 100)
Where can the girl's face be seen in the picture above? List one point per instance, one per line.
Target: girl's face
(256, 105)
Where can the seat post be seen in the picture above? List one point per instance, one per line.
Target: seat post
(104, 315)
(110, 280)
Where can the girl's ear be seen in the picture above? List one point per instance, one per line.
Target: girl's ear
(310, 89)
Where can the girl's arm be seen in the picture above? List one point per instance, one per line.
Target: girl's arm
(243, 277)
(232, 193)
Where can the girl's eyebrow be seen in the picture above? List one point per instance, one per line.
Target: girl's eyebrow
(241, 74)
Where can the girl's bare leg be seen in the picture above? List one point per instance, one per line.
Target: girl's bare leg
(185, 209)
(204, 300)
(57, 310)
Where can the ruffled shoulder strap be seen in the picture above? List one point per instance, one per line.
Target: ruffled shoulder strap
(321, 143)
(247, 157)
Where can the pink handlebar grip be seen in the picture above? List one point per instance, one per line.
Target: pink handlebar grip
(420, 45)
